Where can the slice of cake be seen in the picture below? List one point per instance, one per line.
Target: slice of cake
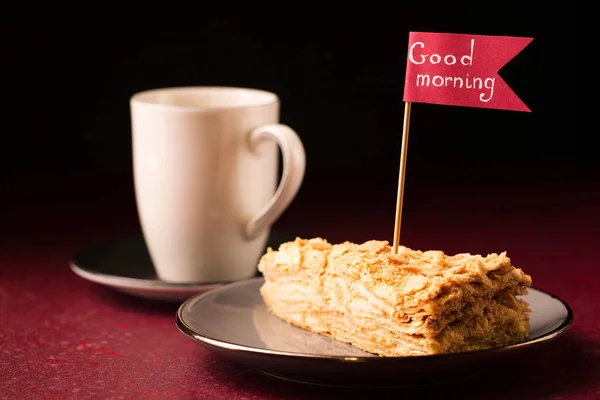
(410, 303)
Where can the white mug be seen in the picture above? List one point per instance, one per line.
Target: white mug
(205, 163)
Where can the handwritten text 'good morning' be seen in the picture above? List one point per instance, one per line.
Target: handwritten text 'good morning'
(417, 55)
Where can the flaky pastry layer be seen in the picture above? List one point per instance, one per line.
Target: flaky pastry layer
(410, 303)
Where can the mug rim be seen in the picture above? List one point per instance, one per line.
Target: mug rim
(147, 97)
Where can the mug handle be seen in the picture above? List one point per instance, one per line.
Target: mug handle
(294, 165)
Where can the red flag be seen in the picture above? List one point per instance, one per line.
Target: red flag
(461, 70)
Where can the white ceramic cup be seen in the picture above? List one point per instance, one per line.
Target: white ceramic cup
(205, 163)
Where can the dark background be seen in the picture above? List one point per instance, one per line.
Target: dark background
(339, 75)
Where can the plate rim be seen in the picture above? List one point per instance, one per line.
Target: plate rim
(117, 281)
(224, 345)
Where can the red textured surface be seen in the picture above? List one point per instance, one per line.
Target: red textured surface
(62, 337)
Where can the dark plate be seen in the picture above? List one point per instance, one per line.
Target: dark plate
(233, 322)
(124, 264)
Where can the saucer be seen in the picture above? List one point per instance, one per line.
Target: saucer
(233, 322)
(124, 264)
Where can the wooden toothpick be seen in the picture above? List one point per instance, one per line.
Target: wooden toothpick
(402, 173)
